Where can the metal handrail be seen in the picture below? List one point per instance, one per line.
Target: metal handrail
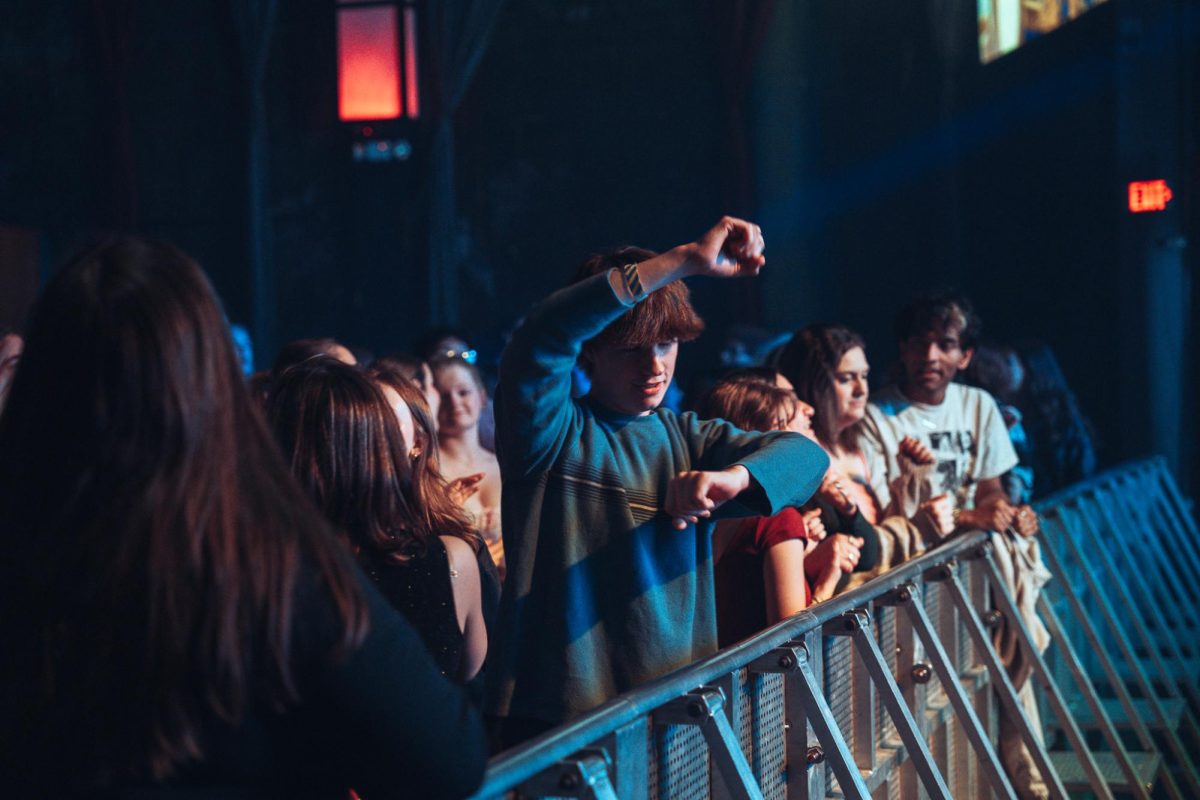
(510, 768)
(577, 758)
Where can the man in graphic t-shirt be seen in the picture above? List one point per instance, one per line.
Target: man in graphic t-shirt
(963, 428)
(961, 425)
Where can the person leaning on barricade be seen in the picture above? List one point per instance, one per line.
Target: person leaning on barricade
(964, 430)
(609, 500)
(826, 363)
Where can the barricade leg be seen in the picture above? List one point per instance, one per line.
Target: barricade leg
(1176, 587)
(1181, 526)
(837, 752)
(1004, 688)
(1176, 681)
(1177, 751)
(1176, 501)
(1008, 607)
(1136, 785)
(1101, 650)
(1183, 676)
(1179, 569)
(908, 597)
(705, 708)
(857, 625)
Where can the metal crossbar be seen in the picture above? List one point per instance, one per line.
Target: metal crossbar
(911, 708)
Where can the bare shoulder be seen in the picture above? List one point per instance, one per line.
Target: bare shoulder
(460, 555)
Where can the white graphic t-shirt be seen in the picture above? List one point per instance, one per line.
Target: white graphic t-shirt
(965, 432)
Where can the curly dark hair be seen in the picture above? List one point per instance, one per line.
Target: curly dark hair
(938, 310)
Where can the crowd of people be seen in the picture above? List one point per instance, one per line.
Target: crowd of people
(334, 576)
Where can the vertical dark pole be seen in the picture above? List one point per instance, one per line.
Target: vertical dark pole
(255, 21)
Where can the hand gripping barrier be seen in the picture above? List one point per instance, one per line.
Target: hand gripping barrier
(894, 689)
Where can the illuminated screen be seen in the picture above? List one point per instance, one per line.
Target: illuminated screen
(1005, 25)
(368, 64)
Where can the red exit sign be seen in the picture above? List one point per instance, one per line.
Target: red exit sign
(1148, 196)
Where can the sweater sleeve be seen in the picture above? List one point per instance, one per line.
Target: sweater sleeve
(533, 398)
(786, 467)
(391, 723)
(875, 454)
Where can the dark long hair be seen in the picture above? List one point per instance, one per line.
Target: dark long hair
(439, 514)
(154, 538)
(344, 445)
(810, 362)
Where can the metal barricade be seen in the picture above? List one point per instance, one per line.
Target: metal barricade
(894, 689)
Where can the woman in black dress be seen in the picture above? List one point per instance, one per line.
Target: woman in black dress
(343, 437)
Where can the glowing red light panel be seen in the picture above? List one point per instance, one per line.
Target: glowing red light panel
(368, 64)
(412, 94)
(1148, 196)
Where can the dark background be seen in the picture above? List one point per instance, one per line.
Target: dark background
(876, 151)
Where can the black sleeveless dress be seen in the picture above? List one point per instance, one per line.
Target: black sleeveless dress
(420, 588)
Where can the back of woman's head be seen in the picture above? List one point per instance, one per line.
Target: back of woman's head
(437, 513)
(345, 447)
(299, 351)
(810, 361)
(130, 357)
(749, 399)
(151, 514)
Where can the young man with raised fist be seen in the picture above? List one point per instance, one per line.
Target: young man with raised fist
(608, 500)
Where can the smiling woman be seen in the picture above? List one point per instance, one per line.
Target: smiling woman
(463, 455)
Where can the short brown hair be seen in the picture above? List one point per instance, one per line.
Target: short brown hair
(750, 401)
(666, 315)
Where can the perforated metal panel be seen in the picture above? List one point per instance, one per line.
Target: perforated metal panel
(965, 763)
(967, 657)
(762, 733)
(938, 748)
(886, 625)
(679, 763)
(942, 616)
(839, 691)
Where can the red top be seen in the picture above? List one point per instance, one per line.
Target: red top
(738, 573)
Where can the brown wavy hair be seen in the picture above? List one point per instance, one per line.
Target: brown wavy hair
(146, 508)
(810, 362)
(345, 446)
(440, 515)
(750, 400)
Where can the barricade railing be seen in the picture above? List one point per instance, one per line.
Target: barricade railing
(894, 688)
(1122, 548)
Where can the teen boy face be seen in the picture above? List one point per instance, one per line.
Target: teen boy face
(631, 380)
(931, 360)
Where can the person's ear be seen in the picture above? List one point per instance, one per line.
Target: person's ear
(967, 355)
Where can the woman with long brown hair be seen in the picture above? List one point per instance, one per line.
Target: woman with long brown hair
(177, 615)
(345, 440)
(827, 365)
